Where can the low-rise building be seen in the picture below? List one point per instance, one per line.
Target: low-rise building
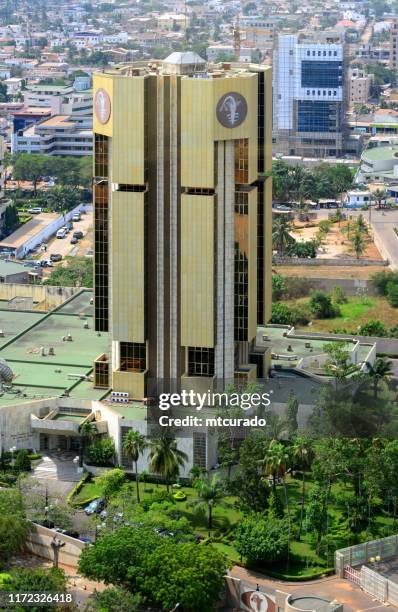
(359, 86)
(56, 135)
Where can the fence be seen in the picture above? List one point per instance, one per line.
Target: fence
(380, 587)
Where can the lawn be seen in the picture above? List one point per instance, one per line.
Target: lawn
(357, 311)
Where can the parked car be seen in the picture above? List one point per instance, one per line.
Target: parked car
(66, 228)
(55, 257)
(78, 234)
(95, 507)
(46, 263)
(61, 233)
(73, 240)
(76, 217)
(69, 532)
(86, 540)
(35, 211)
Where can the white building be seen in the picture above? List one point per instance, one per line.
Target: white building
(57, 135)
(308, 96)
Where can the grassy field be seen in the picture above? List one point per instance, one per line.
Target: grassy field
(356, 312)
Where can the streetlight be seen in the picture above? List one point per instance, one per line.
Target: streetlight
(12, 451)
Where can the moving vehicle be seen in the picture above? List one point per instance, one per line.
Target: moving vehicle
(73, 240)
(76, 217)
(61, 233)
(56, 257)
(95, 507)
(78, 234)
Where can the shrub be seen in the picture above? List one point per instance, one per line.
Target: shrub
(278, 287)
(179, 496)
(303, 249)
(22, 461)
(322, 307)
(339, 296)
(35, 456)
(381, 280)
(301, 314)
(373, 327)
(101, 453)
(393, 331)
(262, 539)
(392, 294)
(281, 314)
(324, 226)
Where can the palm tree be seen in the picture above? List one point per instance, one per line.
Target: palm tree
(165, 459)
(210, 493)
(275, 462)
(281, 237)
(87, 432)
(380, 370)
(361, 225)
(379, 195)
(303, 454)
(134, 444)
(358, 243)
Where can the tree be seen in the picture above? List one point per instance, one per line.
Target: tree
(338, 362)
(31, 167)
(210, 493)
(74, 272)
(292, 408)
(134, 445)
(165, 459)
(249, 487)
(63, 198)
(316, 519)
(302, 455)
(87, 431)
(111, 482)
(13, 524)
(37, 580)
(281, 238)
(11, 219)
(392, 294)
(22, 462)
(281, 314)
(358, 243)
(379, 195)
(322, 306)
(13, 532)
(101, 452)
(261, 539)
(379, 371)
(162, 571)
(114, 598)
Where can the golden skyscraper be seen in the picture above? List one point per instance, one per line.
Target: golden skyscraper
(182, 222)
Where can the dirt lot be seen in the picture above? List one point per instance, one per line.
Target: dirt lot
(337, 243)
(337, 272)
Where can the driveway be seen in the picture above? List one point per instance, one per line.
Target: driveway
(345, 592)
(57, 473)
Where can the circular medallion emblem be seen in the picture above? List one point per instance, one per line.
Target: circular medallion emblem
(231, 109)
(102, 105)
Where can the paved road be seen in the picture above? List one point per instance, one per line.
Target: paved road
(350, 595)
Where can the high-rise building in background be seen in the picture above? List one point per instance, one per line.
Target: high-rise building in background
(309, 96)
(182, 221)
(394, 46)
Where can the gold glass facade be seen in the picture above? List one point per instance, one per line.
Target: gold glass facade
(182, 243)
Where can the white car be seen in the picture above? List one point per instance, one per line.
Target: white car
(35, 211)
(61, 233)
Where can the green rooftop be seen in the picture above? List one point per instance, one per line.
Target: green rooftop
(28, 338)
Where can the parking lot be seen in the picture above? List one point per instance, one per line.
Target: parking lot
(63, 245)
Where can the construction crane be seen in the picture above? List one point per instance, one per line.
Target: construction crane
(236, 34)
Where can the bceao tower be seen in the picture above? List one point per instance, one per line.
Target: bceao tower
(182, 221)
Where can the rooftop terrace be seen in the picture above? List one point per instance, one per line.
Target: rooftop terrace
(28, 336)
